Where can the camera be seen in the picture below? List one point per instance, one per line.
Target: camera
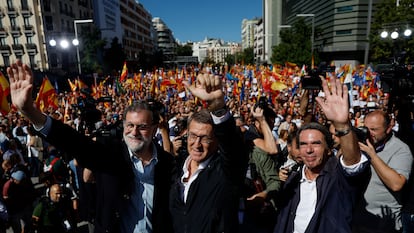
(362, 134)
(262, 103)
(178, 130)
(312, 81)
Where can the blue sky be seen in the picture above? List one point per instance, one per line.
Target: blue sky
(193, 20)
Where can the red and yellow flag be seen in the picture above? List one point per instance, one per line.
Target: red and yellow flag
(4, 93)
(72, 85)
(124, 72)
(47, 96)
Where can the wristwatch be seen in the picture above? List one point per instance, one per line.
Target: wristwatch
(340, 133)
(219, 112)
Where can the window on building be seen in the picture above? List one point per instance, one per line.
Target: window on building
(16, 40)
(26, 21)
(343, 9)
(32, 61)
(49, 23)
(24, 4)
(10, 4)
(46, 5)
(3, 41)
(6, 60)
(29, 39)
(344, 32)
(13, 22)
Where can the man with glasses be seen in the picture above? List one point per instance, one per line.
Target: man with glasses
(133, 176)
(206, 194)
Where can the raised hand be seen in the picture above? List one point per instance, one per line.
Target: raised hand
(335, 105)
(208, 87)
(21, 85)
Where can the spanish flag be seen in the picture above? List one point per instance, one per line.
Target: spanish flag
(4, 93)
(72, 85)
(47, 96)
(124, 72)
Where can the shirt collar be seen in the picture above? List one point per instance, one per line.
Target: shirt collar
(154, 154)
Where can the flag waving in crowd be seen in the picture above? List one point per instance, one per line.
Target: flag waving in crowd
(47, 96)
(4, 93)
(124, 72)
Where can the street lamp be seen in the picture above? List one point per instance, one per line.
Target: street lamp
(76, 40)
(313, 31)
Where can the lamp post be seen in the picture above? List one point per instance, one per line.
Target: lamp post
(395, 34)
(313, 31)
(76, 41)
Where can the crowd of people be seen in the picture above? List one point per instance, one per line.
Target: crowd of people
(218, 152)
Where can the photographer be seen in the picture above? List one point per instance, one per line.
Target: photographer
(262, 181)
(292, 161)
(179, 142)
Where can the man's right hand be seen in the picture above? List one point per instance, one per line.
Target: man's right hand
(21, 86)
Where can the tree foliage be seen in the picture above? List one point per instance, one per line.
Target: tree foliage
(114, 57)
(295, 44)
(390, 17)
(91, 58)
(184, 50)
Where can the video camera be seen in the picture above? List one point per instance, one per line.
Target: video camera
(86, 105)
(312, 81)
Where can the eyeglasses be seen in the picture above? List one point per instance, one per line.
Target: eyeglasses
(204, 139)
(140, 127)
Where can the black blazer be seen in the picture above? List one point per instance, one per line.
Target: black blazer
(213, 198)
(113, 170)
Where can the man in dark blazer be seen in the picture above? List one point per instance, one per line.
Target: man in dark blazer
(205, 196)
(133, 176)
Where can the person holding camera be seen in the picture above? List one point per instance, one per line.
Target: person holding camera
(262, 181)
(293, 161)
(133, 175)
(391, 163)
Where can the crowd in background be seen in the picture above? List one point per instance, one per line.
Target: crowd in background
(25, 155)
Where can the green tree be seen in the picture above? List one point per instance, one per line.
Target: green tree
(229, 59)
(248, 56)
(114, 57)
(295, 44)
(389, 17)
(184, 50)
(93, 47)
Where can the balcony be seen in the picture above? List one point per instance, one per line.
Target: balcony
(12, 12)
(26, 11)
(4, 48)
(28, 30)
(31, 49)
(3, 32)
(2, 14)
(18, 49)
(15, 30)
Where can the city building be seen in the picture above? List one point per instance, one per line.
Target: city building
(136, 24)
(19, 37)
(342, 24)
(272, 19)
(247, 32)
(107, 17)
(258, 47)
(215, 50)
(165, 40)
